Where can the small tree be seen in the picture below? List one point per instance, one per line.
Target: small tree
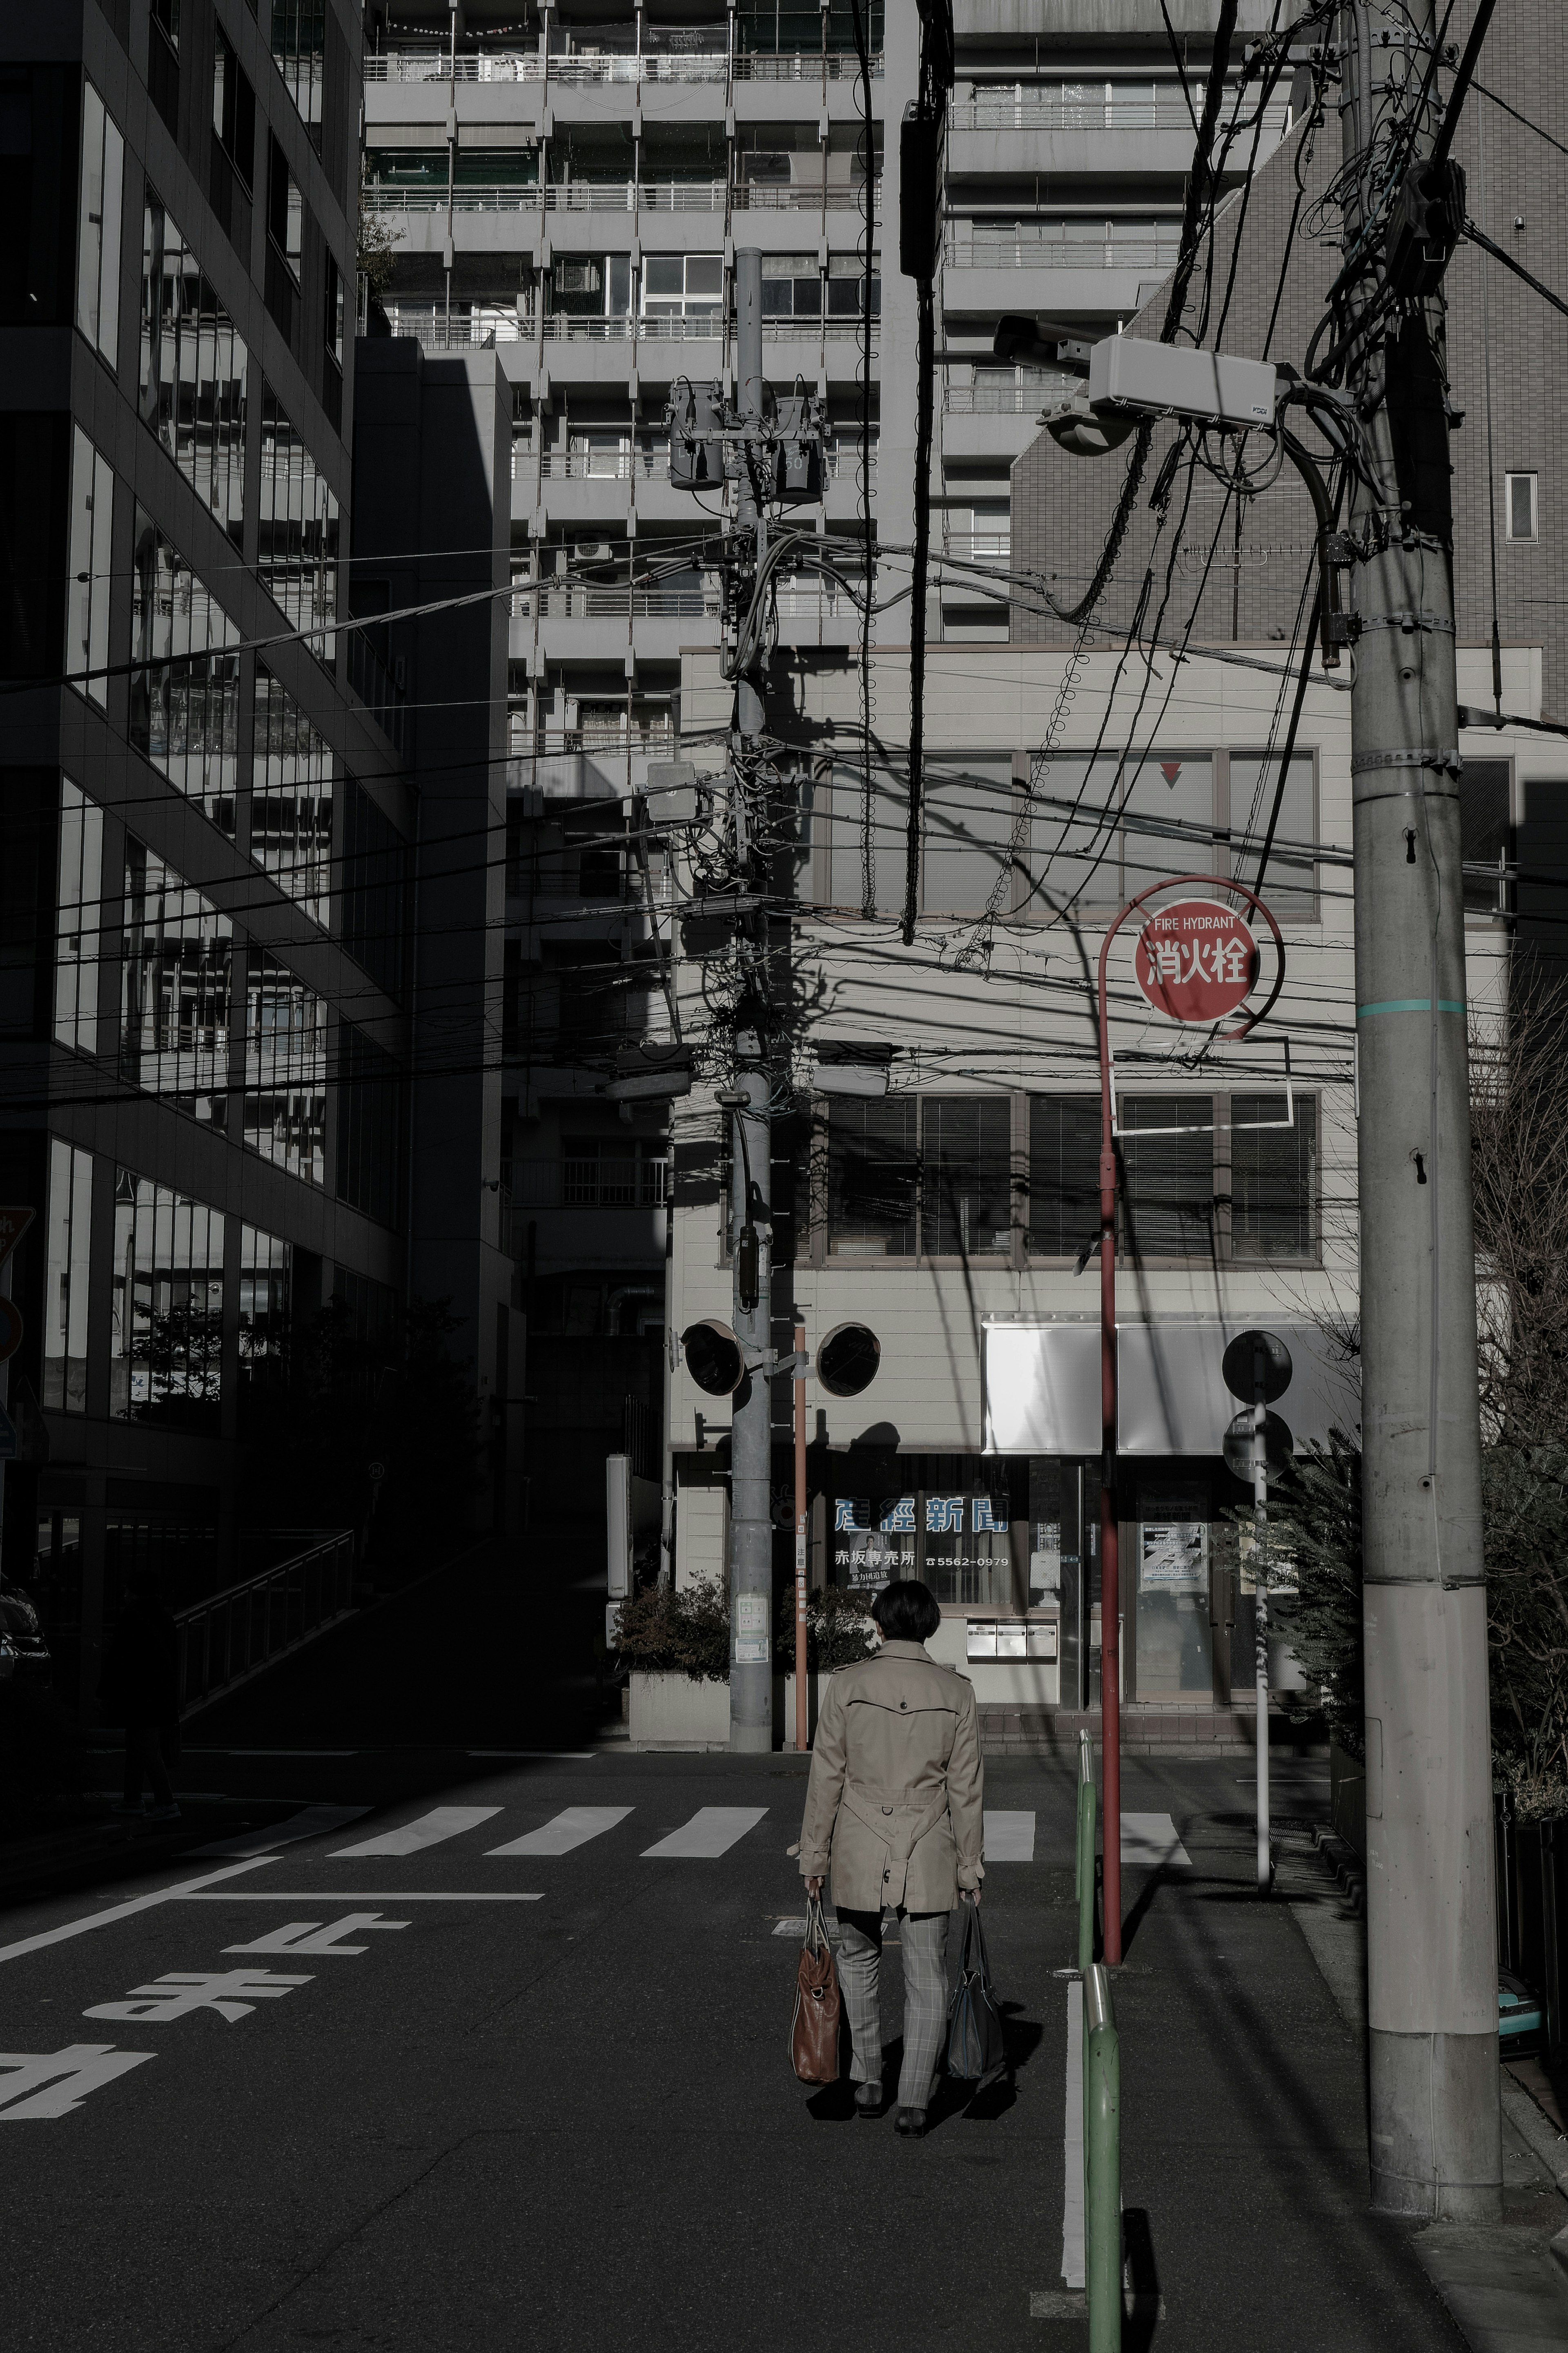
(1314, 1538)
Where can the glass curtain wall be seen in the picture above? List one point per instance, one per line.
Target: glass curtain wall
(184, 692)
(285, 1116)
(66, 1277)
(176, 989)
(167, 1306)
(291, 799)
(195, 369)
(78, 920)
(297, 547)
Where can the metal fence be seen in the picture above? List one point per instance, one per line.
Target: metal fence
(694, 64)
(227, 1640)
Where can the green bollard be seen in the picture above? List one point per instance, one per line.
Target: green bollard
(1102, 2137)
(1085, 1888)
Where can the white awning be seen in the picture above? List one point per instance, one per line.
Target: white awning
(1042, 1388)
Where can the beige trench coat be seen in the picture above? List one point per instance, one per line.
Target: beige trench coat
(893, 1807)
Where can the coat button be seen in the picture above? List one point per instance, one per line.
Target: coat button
(886, 1877)
(886, 1809)
(903, 1702)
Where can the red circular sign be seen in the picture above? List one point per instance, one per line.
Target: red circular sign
(1195, 960)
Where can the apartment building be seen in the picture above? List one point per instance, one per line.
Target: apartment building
(203, 828)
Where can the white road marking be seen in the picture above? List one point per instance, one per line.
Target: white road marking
(429, 1830)
(790, 1929)
(353, 1896)
(310, 1936)
(47, 2084)
(178, 1992)
(573, 1828)
(1009, 1838)
(183, 1888)
(1152, 1838)
(313, 1822)
(559, 1756)
(712, 1831)
(1072, 2146)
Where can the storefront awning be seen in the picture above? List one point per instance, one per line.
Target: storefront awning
(1042, 1388)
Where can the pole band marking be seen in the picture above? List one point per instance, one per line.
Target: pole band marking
(1410, 1005)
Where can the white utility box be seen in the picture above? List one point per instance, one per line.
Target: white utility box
(1127, 370)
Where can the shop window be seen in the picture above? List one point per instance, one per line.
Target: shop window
(1064, 1174)
(1486, 836)
(167, 1306)
(98, 227)
(1273, 1176)
(297, 545)
(291, 799)
(91, 573)
(1173, 1642)
(947, 1522)
(195, 369)
(66, 1278)
(1521, 509)
(1167, 1164)
(285, 1112)
(78, 920)
(185, 689)
(176, 985)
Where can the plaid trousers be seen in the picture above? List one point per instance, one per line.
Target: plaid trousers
(924, 1940)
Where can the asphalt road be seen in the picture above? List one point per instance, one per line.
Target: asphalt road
(571, 2123)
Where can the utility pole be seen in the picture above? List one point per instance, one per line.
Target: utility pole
(750, 1231)
(1431, 1951)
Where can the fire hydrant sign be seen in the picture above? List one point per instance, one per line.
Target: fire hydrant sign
(1195, 960)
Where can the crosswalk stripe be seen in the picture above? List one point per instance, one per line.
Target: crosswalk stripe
(311, 1821)
(575, 1827)
(443, 1822)
(1152, 1838)
(1009, 1838)
(712, 1829)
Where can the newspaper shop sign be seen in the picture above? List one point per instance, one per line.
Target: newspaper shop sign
(1196, 961)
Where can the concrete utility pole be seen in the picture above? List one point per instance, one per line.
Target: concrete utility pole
(751, 1231)
(1432, 1977)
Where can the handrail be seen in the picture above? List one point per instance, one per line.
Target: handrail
(1103, 2162)
(233, 1635)
(1084, 1884)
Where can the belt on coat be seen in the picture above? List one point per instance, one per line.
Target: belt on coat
(899, 1828)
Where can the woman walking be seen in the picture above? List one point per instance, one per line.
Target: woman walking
(894, 1809)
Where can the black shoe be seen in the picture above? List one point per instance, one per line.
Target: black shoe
(868, 2099)
(911, 2122)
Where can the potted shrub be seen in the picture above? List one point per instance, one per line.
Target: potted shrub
(838, 1631)
(675, 1643)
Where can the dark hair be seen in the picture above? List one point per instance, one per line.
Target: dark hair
(906, 1610)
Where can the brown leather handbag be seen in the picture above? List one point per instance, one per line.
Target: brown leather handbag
(818, 2005)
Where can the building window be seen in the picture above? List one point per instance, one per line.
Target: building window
(1290, 883)
(949, 1526)
(232, 173)
(66, 1278)
(291, 799)
(1064, 1175)
(375, 881)
(370, 1307)
(195, 370)
(285, 1114)
(1486, 836)
(968, 831)
(98, 228)
(184, 692)
(167, 1306)
(285, 209)
(163, 61)
(297, 547)
(1521, 507)
(1273, 1176)
(265, 1272)
(683, 285)
(846, 286)
(299, 47)
(78, 920)
(920, 1176)
(91, 568)
(1109, 826)
(175, 989)
(843, 832)
(792, 286)
(369, 1127)
(1167, 1174)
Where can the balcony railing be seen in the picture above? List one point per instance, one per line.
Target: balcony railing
(623, 1182)
(662, 65)
(999, 396)
(619, 603)
(228, 1638)
(996, 249)
(463, 331)
(1140, 107)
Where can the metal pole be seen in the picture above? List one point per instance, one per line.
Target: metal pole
(802, 1712)
(1260, 1607)
(1432, 1983)
(750, 1429)
(1109, 1556)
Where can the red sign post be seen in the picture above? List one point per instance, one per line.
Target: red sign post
(1196, 961)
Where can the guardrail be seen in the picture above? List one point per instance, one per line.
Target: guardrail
(1102, 2163)
(694, 64)
(233, 1635)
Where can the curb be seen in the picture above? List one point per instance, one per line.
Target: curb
(1345, 1865)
